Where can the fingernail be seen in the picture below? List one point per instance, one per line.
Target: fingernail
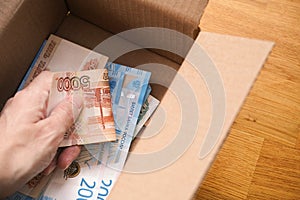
(69, 162)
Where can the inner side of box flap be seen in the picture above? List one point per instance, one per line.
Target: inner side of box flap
(91, 36)
(116, 16)
(24, 25)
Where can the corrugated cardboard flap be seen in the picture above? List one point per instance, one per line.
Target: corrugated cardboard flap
(238, 68)
(24, 25)
(118, 15)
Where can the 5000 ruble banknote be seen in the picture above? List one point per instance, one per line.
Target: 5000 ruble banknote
(95, 123)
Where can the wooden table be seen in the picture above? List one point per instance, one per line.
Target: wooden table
(261, 157)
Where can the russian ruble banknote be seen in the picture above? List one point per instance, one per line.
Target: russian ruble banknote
(149, 89)
(94, 173)
(94, 176)
(102, 160)
(95, 123)
(57, 54)
(148, 108)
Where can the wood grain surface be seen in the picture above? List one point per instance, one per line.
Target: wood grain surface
(261, 156)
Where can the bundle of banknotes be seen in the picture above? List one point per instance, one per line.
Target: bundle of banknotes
(117, 104)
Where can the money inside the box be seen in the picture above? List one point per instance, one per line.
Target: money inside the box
(117, 102)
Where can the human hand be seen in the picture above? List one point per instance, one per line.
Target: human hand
(29, 139)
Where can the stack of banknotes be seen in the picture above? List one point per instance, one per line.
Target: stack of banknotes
(117, 104)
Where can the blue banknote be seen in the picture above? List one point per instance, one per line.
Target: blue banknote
(149, 89)
(101, 164)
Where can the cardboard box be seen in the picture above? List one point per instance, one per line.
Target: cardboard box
(24, 26)
(238, 61)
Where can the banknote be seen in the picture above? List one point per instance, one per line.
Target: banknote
(95, 123)
(33, 189)
(57, 54)
(94, 173)
(93, 160)
(148, 108)
(148, 91)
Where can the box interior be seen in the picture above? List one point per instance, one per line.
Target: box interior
(24, 25)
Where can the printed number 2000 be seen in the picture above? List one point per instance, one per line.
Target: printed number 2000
(85, 192)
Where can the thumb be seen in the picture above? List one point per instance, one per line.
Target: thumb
(64, 115)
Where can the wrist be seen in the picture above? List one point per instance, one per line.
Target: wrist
(12, 176)
(7, 172)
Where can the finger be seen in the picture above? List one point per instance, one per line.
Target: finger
(61, 118)
(7, 105)
(42, 81)
(33, 99)
(38, 90)
(67, 156)
(51, 166)
(53, 163)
